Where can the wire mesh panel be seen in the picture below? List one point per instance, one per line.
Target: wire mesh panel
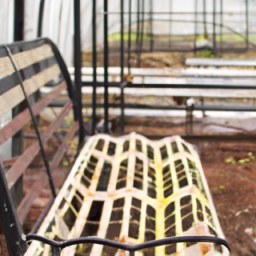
(133, 190)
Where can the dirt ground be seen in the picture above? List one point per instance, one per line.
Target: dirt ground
(233, 187)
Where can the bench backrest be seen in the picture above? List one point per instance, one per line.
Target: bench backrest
(26, 67)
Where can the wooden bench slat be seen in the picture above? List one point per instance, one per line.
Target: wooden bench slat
(24, 117)
(26, 158)
(29, 57)
(15, 95)
(35, 191)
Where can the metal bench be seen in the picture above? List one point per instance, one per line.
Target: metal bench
(133, 194)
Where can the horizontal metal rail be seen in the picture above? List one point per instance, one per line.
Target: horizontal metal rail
(130, 248)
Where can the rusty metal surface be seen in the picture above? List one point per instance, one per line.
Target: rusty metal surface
(132, 190)
(24, 117)
(26, 158)
(35, 191)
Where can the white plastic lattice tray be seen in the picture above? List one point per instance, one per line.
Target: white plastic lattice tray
(132, 190)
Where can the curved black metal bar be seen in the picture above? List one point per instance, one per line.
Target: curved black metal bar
(131, 248)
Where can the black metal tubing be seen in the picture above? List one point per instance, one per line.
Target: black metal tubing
(247, 23)
(214, 26)
(195, 36)
(94, 65)
(204, 17)
(221, 28)
(46, 163)
(180, 86)
(106, 66)
(138, 24)
(158, 107)
(151, 26)
(18, 20)
(40, 18)
(78, 66)
(13, 232)
(129, 37)
(130, 248)
(122, 40)
(141, 33)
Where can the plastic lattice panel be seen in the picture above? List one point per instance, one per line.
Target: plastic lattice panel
(132, 190)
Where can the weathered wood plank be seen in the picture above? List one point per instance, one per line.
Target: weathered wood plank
(24, 117)
(26, 158)
(36, 189)
(15, 95)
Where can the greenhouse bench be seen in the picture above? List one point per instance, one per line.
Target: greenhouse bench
(122, 194)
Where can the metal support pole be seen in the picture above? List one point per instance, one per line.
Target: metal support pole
(78, 66)
(94, 65)
(221, 27)
(214, 26)
(204, 12)
(122, 64)
(129, 37)
(170, 24)
(247, 23)
(122, 41)
(151, 26)
(141, 33)
(106, 66)
(195, 38)
(40, 18)
(122, 110)
(138, 26)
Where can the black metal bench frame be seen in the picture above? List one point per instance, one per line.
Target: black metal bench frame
(16, 240)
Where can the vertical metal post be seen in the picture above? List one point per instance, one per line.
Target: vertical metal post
(17, 139)
(214, 26)
(122, 110)
(170, 24)
(138, 26)
(195, 38)
(151, 26)
(94, 65)
(122, 62)
(40, 18)
(247, 23)
(141, 32)
(129, 36)
(105, 66)
(221, 25)
(78, 65)
(204, 13)
(122, 41)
